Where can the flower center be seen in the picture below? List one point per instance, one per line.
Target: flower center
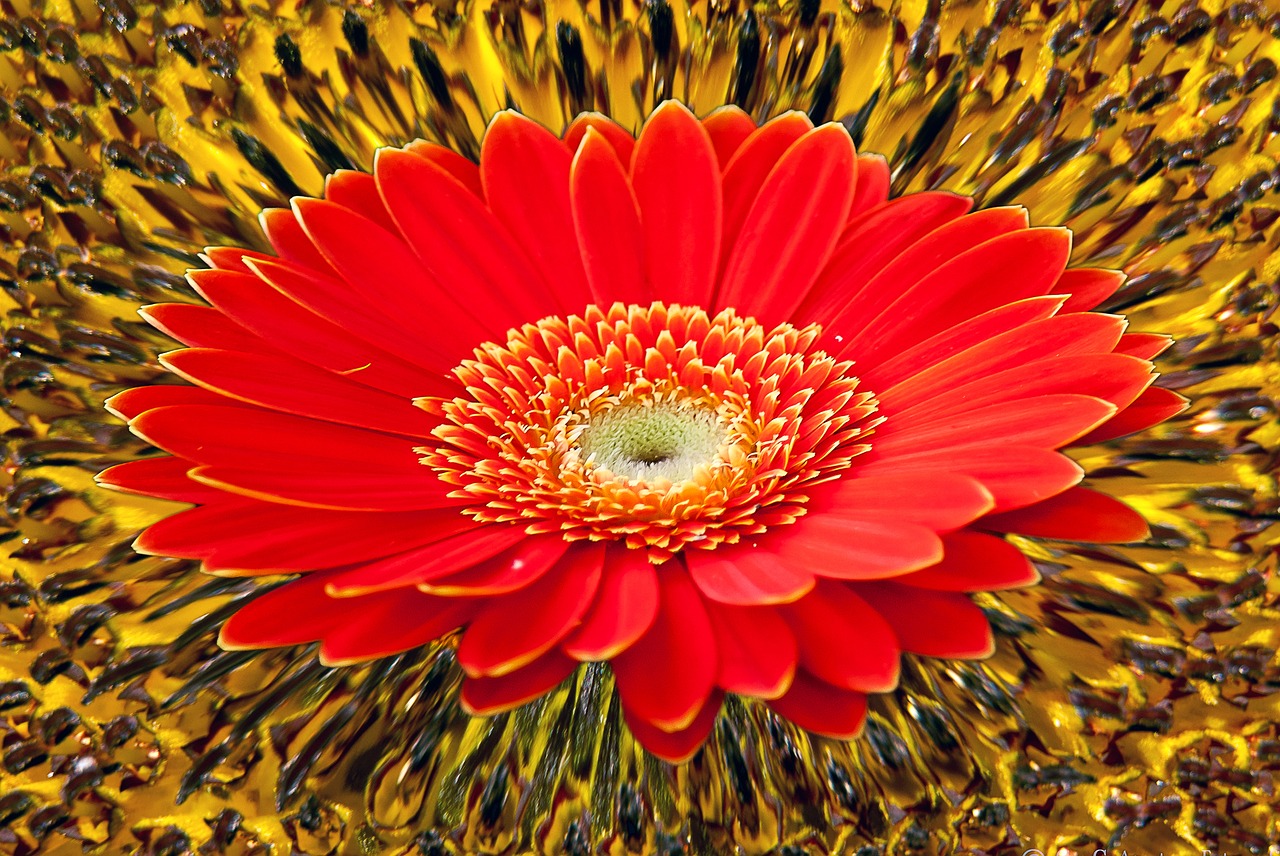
(660, 426)
(662, 442)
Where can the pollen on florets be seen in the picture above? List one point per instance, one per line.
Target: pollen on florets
(659, 426)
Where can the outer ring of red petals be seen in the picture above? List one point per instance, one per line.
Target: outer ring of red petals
(295, 440)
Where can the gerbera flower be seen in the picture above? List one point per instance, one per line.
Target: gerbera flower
(703, 403)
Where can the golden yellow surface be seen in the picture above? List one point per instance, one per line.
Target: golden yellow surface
(1134, 699)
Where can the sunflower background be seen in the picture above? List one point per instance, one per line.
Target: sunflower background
(1134, 698)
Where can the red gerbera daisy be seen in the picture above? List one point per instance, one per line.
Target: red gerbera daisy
(702, 403)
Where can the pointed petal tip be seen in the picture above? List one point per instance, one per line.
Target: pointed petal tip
(390, 157)
(229, 638)
(166, 358)
(1077, 514)
(509, 118)
(835, 134)
(300, 205)
(1059, 233)
(1106, 411)
(671, 107)
(332, 661)
(106, 481)
(228, 642)
(832, 127)
(730, 109)
(142, 545)
(963, 202)
(1182, 402)
(1017, 209)
(110, 406)
(591, 143)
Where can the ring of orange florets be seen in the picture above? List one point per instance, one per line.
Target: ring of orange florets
(791, 416)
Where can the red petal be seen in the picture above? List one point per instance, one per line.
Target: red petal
(953, 500)
(758, 651)
(1060, 336)
(680, 745)
(1002, 270)
(201, 327)
(378, 266)
(352, 628)
(892, 247)
(514, 630)
(962, 337)
(451, 162)
(233, 533)
(606, 219)
(1112, 377)
(843, 640)
(437, 560)
(873, 184)
(625, 607)
(1078, 514)
(932, 623)
(350, 489)
(463, 246)
(622, 141)
(728, 127)
(359, 192)
(163, 478)
(273, 317)
(290, 242)
(1154, 406)
(746, 576)
(677, 185)
(1088, 287)
(296, 460)
(745, 174)
(132, 403)
(666, 677)
(230, 258)
(523, 564)
(298, 611)
(291, 386)
(489, 696)
(820, 708)
(975, 562)
(386, 625)
(249, 436)
(846, 546)
(773, 263)
(1014, 475)
(322, 320)
(525, 169)
(1144, 346)
(1049, 421)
